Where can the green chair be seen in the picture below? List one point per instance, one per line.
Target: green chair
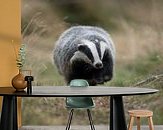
(79, 102)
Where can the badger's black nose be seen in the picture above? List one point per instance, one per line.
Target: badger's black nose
(99, 65)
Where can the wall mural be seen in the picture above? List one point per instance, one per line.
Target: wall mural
(135, 28)
(128, 23)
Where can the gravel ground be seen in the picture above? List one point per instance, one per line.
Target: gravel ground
(98, 127)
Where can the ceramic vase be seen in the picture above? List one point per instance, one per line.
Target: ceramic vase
(18, 82)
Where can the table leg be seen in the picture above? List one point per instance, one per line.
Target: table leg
(117, 116)
(9, 113)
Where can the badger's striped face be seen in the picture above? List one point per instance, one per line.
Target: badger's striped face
(93, 51)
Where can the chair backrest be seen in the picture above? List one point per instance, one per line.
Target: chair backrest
(79, 83)
(79, 102)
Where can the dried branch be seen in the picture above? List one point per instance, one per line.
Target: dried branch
(149, 80)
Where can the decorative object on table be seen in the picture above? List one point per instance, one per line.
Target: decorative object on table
(29, 80)
(138, 114)
(18, 81)
(85, 52)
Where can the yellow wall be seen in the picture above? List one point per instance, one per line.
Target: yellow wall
(10, 29)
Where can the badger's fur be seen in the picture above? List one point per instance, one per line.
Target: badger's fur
(85, 52)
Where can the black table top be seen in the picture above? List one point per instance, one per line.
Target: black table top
(66, 91)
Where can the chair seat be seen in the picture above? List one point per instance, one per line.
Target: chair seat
(140, 113)
(79, 102)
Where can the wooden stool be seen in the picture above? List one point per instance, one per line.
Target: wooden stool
(137, 114)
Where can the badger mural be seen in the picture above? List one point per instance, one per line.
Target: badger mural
(85, 52)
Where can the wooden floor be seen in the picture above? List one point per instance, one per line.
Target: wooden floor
(98, 127)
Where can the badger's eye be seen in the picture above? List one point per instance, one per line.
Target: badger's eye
(81, 47)
(84, 49)
(107, 57)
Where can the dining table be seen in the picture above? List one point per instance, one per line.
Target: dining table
(9, 119)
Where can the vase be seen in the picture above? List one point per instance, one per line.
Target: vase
(18, 82)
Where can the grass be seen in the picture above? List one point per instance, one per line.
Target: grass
(130, 73)
(50, 76)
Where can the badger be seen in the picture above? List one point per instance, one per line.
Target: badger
(85, 52)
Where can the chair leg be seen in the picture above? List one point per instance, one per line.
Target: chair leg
(150, 123)
(131, 123)
(138, 123)
(90, 119)
(70, 119)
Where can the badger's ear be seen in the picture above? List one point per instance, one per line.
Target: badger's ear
(81, 47)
